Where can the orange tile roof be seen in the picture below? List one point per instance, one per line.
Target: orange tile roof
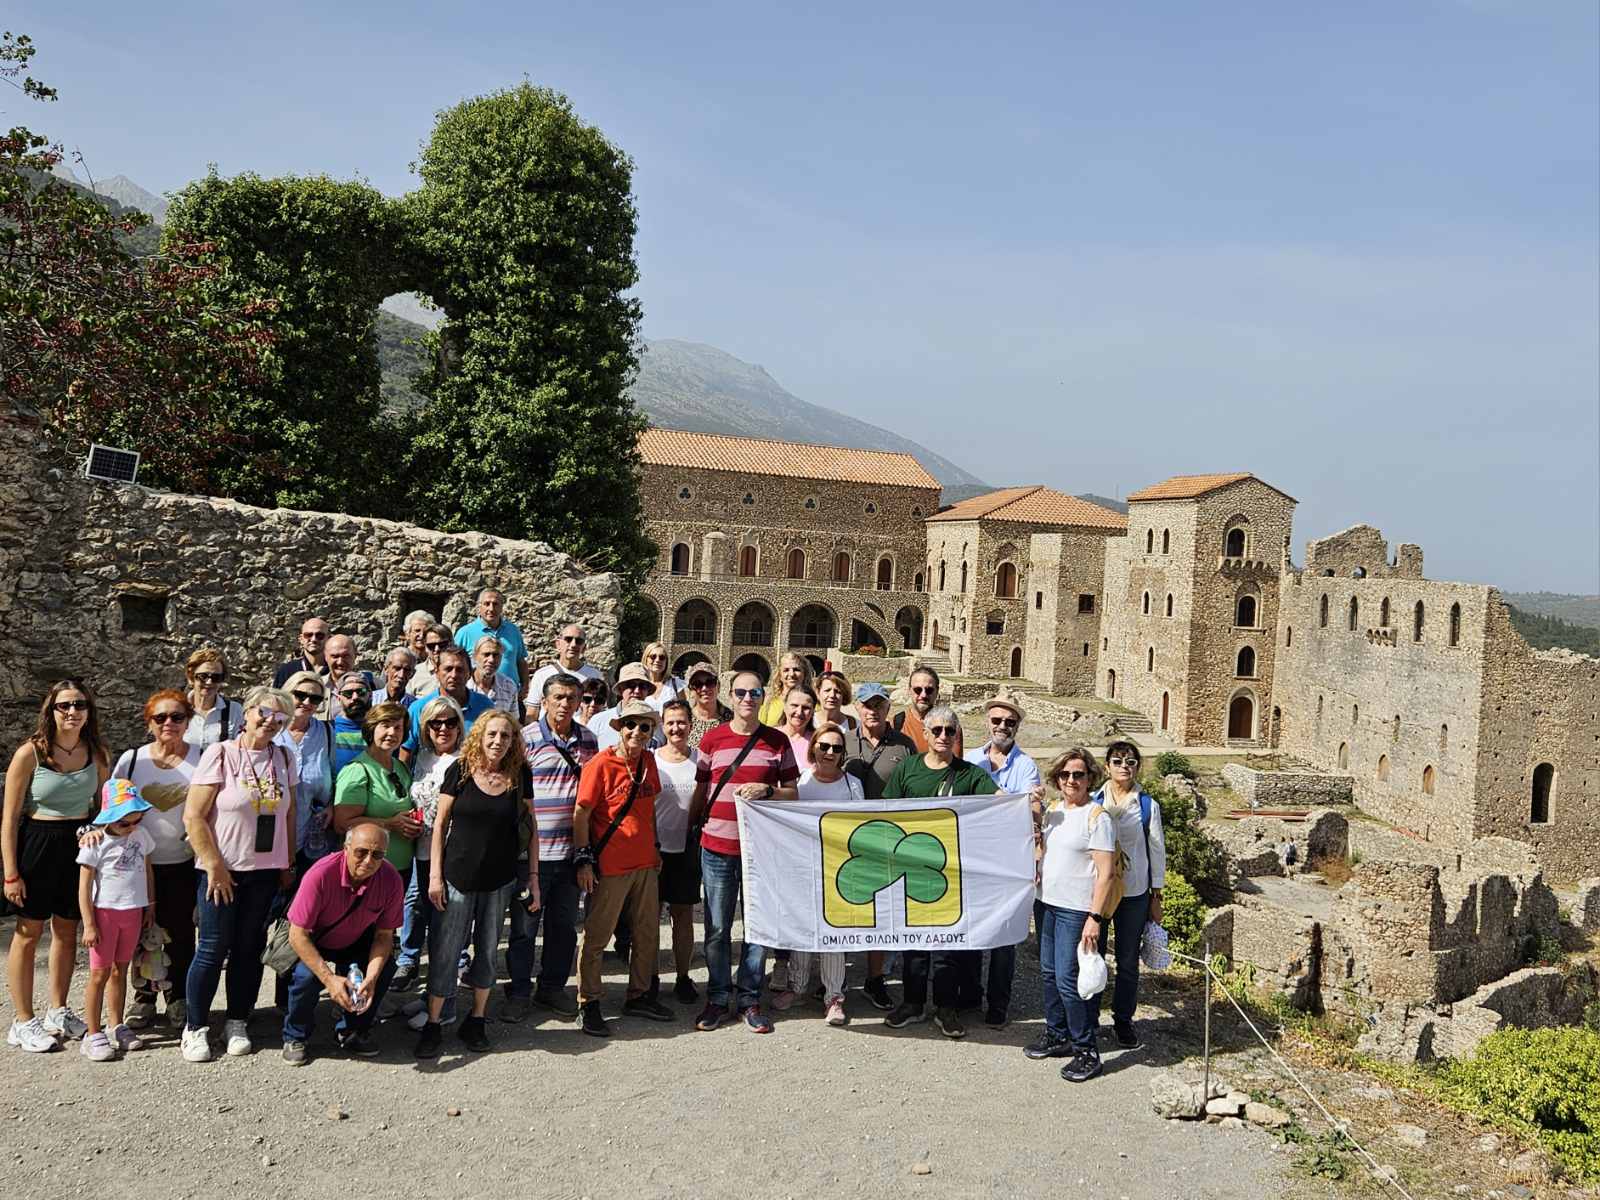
(1190, 487)
(1038, 505)
(794, 460)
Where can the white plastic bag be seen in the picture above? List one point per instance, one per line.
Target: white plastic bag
(1092, 975)
(1153, 950)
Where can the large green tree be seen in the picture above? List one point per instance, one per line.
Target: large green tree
(525, 220)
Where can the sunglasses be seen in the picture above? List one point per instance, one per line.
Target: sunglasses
(702, 682)
(312, 637)
(1073, 775)
(434, 645)
(312, 698)
(440, 724)
(354, 693)
(1123, 762)
(925, 691)
(210, 676)
(574, 641)
(66, 706)
(943, 730)
(361, 854)
(827, 748)
(633, 723)
(270, 716)
(168, 718)
(755, 693)
(1003, 722)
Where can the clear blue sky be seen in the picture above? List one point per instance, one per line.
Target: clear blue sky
(1351, 247)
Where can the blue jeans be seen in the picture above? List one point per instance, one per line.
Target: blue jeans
(723, 875)
(558, 912)
(234, 934)
(1067, 1017)
(1129, 921)
(477, 916)
(419, 913)
(305, 988)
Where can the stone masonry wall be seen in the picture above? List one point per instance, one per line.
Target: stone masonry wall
(1063, 641)
(1286, 789)
(86, 567)
(1362, 548)
(951, 547)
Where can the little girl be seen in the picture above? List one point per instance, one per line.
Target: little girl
(115, 887)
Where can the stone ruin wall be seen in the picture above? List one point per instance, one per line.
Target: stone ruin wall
(1286, 789)
(1063, 644)
(84, 567)
(1363, 548)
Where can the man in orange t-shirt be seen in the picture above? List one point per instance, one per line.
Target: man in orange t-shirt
(620, 875)
(924, 687)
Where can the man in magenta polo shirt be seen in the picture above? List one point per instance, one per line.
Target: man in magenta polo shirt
(345, 913)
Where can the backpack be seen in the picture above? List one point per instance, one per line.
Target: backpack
(1119, 869)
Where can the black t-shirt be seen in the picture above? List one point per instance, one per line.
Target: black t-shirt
(487, 833)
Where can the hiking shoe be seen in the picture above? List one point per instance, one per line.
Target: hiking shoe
(515, 1009)
(877, 991)
(97, 1047)
(711, 1016)
(30, 1035)
(141, 1013)
(294, 1053)
(1045, 1046)
(473, 1035)
(64, 1023)
(196, 1045)
(359, 1044)
(594, 1022)
(238, 1035)
(836, 1013)
(1127, 1035)
(757, 1020)
(949, 1023)
(404, 979)
(996, 1018)
(556, 1000)
(649, 1008)
(1083, 1067)
(784, 1000)
(428, 1040)
(684, 990)
(126, 1039)
(906, 1014)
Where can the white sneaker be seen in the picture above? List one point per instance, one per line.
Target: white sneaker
(97, 1047)
(141, 1013)
(126, 1039)
(836, 1013)
(30, 1035)
(197, 1045)
(64, 1023)
(238, 1038)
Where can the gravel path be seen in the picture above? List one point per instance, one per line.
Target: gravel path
(657, 1110)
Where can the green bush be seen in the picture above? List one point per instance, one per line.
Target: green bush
(1545, 1082)
(1170, 762)
(1190, 852)
(1182, 913)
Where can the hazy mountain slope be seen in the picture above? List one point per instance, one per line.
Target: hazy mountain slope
(130, 195)
(1577, 610)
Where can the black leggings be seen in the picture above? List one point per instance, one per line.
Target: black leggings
(175, 886)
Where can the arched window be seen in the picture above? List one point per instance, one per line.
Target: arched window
(1383, 768)
(753, 624)
(1383, 614)
(941, 575)
(1444, 738)
(680, 559)
(1355, 715)
(1416, 622)
(1005, 581)
(695, 624)
(1245, 666)
(1455, 624)
(797, 563)
(1344, 756)
(1111, 685)
(1322, 616)
(1244, 614)
(1016, 662)
(1233, 545)
(1319, 708)
(1166, 708)
(1355, 612)
(1147, 604)
(885, 574)
(1394, 729)
(841, 567)
(1427, 780)
(1149, 540)
(916, 582)
(1544, 778)
(1169, 604)
(1166, 546)
(963, 577)
(1288, 635)
(1150, 659)
(747, 562)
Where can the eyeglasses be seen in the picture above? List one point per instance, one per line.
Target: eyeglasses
(1003, 722)
(1074, 776)
(573, 641)
(210, 676)
(1123, 762)
(755, 693)
(827, 747)
(311, 698)
(440, 724)
(270, 716)
(925, 691)
(633, 723)
(168, 718)
(361, 854)
(312, 637)
(66, 706)
(943, 730)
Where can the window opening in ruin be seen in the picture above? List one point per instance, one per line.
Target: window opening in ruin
(1277, 726)
(871, 508)
(1427, 780)
(1169, 604)
(1149, 540)
(885, 574)
(797, 563)
(1147, 604)
(1383, 768)
(1416, 622)
(994, 622)
(683, 493)
(1355, 715)
(1038, 601)
(1085, 602)
(1166, 541)
(680, 559)
(1244, 615)
(428, 602)
(1242, 717)
(908, 623)
(1344, 756)
(747, 562)
(1150, 659)
(1322, 616)
(1288, 635)
(1394, 729)
(1355, 612)
(841, 567)
(1166, 705)
(752, 625)
(1233, 546)
(916, 582)
(1455, 624)
(1444, 737)
(145, 612)
(916, 512)
(1245, 666)
(963, 578)
(812, 628)
(1359, 573)
(1016, 662)
(941, 576)
(811, 502)
(1005, 581)
(749, 498)
(695, 624)
(1544, 777)
(1383, 614)
(1111, 685)
(1105, 643)
(1086, 649)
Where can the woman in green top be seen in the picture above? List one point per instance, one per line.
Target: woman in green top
(377, 786)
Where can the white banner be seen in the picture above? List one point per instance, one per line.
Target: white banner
(952, 873)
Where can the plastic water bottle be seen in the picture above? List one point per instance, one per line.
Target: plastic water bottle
(355, 978)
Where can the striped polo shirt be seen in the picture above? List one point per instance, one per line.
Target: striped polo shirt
(770, 761)
(555, 783)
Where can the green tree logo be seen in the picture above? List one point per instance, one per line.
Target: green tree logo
(882, 852)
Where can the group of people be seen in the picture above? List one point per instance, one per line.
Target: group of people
(338, 824)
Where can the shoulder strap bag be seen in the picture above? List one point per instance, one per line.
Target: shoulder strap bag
(693, 836)
(599, 845)
(280, 956)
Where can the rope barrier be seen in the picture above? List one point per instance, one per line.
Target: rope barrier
(1342, 1128)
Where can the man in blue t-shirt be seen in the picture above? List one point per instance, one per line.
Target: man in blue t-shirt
(453, 670)
(514, 652)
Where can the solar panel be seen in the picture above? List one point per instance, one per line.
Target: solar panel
(111, 465)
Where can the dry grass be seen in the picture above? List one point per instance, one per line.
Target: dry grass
(1336, 871)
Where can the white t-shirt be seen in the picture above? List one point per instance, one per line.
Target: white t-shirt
(206, 729)
(674, 690)
(672, 803)
(166, 789)
(1066, 876)
(427, 773)
(118, 862)
(846, 787)
(535, 693)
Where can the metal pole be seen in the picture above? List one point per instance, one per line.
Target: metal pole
(1205, 1091)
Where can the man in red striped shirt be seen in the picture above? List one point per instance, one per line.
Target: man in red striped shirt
(739, 760)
